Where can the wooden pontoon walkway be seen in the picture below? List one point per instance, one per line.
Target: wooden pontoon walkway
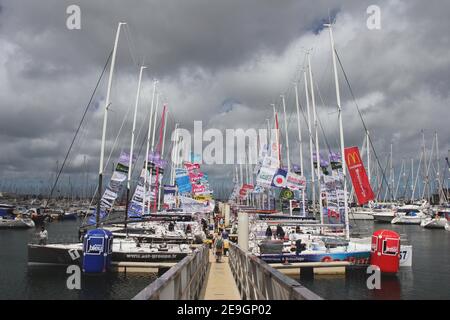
(220, 284)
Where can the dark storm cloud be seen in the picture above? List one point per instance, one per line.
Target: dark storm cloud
(212, 57)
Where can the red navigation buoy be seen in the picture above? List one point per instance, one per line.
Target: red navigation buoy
(385, 250)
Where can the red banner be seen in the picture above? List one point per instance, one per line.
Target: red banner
(358, 174)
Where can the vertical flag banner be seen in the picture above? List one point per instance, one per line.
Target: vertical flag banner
(114, 188)
(360, 181)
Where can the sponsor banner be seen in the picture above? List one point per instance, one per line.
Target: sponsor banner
(279, 179)
(295, 181)
(191, 166)
(335, 160)
(332, 195)
(358, 174)
(258, 189)
(114, 187)
(265, 176)
(196, 188)
(169, 196)
(203, 198)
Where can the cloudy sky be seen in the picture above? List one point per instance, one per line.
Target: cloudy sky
(221, 62)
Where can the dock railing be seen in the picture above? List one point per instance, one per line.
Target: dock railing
(183, 281)
(256, 280)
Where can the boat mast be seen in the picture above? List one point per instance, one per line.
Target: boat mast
(174, 157)
(130, 163)
(162, 152)
(313, 187)
(161, 142)
(368, 153)
(286, 133)
(148, 147)
(299, 128)
(315, 117)
(152, 149)
(438, 169)
(412, 179)
(105, 122)
(341, 132)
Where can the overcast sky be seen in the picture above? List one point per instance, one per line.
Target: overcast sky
(222, 62)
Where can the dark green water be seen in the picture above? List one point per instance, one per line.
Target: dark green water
(428, 278)
(18, 281)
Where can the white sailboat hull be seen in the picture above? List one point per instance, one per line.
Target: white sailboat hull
(435, 223)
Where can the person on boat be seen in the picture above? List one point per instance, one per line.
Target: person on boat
(218, 246)
(280, 232)
(268, 233)
(171, 226)
(43, 236)
(188, 229)
(297, 229)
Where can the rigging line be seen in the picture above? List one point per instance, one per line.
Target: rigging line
(320, 122)
(362, 120)
(130, 49)
(79, 126)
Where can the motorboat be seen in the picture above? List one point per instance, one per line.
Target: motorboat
(383, 215)
(16, 223)
(409, 214)
(439, 220)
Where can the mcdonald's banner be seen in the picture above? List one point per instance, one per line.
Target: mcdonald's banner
(358, 174)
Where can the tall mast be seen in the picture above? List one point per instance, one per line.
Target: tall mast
(299, 128)
(368, 153)
(162, 154)
(130, 163)
(174, 157)
(313, 101)
(286, 133)
(161, 142)
(412, 179)
(148, 146)
(341, 131)
(313, 188)
(153, 144)
(105, 122)
(438, 169)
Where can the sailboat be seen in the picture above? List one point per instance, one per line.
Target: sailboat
(297, 240)
(126, 249)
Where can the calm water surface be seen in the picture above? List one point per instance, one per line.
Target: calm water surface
(428, 278)
(18, 281)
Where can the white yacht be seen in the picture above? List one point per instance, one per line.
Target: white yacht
(439, 220)
(409, 214)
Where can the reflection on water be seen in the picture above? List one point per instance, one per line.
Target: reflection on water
(18, 281)
(428, 278)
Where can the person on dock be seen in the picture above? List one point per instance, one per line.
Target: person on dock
(280, 232)
(218, 246)
(268, 233)
(43, 236)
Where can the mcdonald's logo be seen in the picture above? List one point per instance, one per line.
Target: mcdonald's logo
(353, 158)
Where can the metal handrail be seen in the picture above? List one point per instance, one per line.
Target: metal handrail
(183, 281)
(256, 280)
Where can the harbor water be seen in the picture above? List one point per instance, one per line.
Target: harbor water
(18, 281)
(428, 278)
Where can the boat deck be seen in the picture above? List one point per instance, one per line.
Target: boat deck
(220, 284)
